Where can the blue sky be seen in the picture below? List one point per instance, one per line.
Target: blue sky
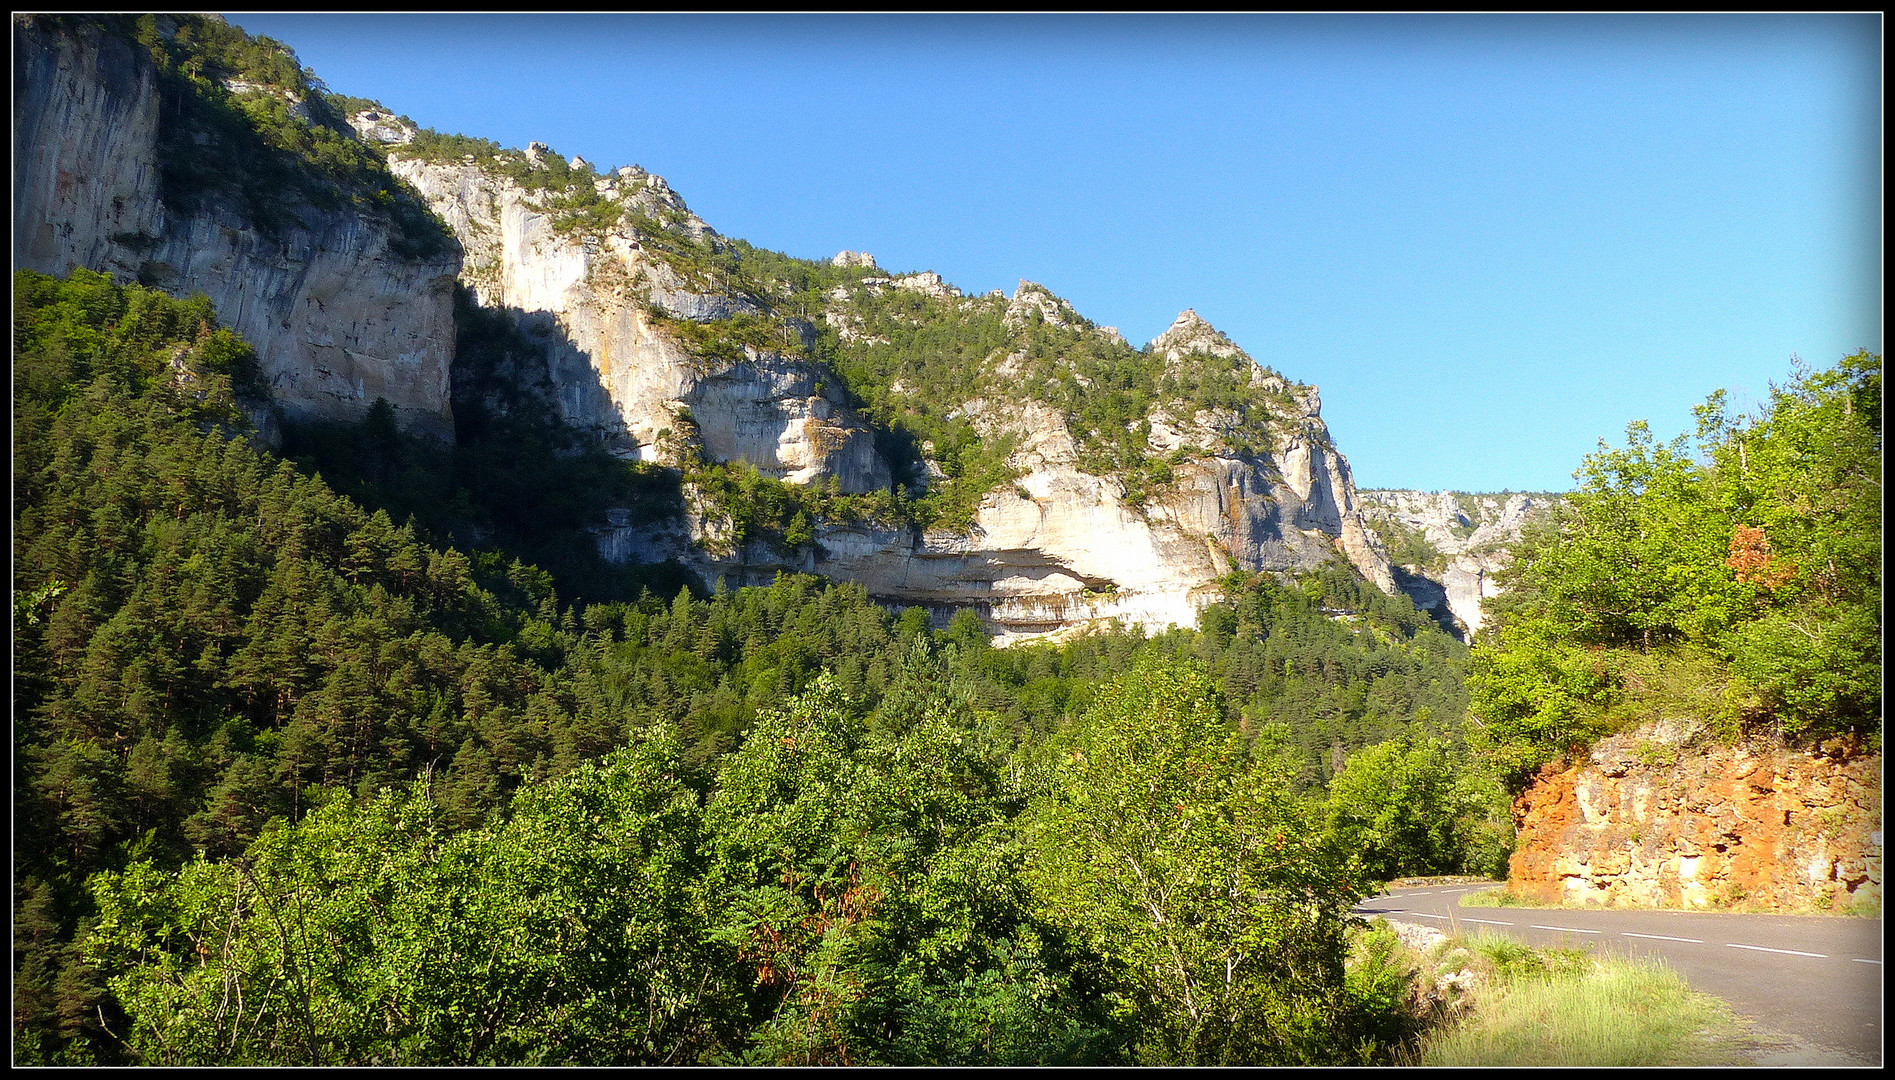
(1491, 242)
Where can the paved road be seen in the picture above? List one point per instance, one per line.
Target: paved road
(1813, 977)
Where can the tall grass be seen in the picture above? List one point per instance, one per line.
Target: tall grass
(1500, 897)
(1560, 1007)
(1867, 907)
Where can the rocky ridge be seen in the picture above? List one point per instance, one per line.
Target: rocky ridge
(650, 345)
(1059, 547)
(594, 302)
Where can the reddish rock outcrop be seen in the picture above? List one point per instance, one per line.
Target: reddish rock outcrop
(1650, 819)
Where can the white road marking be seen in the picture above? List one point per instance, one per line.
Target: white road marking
(1423, 915)
(1859, 960)
(1567, 929)
(1661, 937)
(1489, 922)
(1790, 952)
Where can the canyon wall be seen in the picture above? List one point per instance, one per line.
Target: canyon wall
(1057, 549)
(338, 319)
(1656, 817)
(1060, 548)
(1471, 537)
(591, 300)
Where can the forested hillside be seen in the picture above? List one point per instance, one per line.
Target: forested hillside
(356, 750)
(238, 691)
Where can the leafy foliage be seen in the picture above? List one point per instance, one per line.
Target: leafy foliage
(1743, 587)
(1414, 807)
(1196, 874)
(369, 934)
(869, 875)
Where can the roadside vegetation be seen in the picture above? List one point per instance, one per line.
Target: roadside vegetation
(1484, 1000)
(1739, 586)
(1504, 897)
(1547, 1012)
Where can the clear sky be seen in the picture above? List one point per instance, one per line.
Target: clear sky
(1490, 241)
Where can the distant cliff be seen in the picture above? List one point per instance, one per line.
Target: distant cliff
(995, 452)
(339, 317)
(595, 301)
(1447, 545)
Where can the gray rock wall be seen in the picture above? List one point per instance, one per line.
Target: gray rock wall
(336, 317)
(613, 370)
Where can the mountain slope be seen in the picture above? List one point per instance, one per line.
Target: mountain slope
(180, 152)
(996, 453)
(1047, 474)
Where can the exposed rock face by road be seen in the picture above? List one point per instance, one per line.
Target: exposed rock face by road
(1657, 817)
(1449, 544)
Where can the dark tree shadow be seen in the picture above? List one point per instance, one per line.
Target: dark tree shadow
(519, 481)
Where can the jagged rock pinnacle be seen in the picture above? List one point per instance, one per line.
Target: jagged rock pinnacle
(1189, 333)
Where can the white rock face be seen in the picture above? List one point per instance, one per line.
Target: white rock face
(853, 258)
(1031, 298)
(376, 126)
(336, 317)
(1188, 334)
(616, 373)
(1061, 549)
(1474, 532)
(928, 283)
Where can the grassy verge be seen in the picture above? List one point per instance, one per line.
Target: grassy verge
(1498, 897)
(1502, 897)
(1437, 880)
(1487, 1000)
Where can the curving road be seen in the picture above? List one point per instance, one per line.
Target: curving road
(1812, 977)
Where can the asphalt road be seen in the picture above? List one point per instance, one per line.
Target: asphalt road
(1813, 977)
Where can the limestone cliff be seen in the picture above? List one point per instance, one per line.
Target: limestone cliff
(337, 317)
(1061, 546)
(594, 299)
(674, 345)
(1448, 545)
(1657, 817)
(615, 298)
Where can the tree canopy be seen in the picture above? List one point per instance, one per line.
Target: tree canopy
(1740, 586)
